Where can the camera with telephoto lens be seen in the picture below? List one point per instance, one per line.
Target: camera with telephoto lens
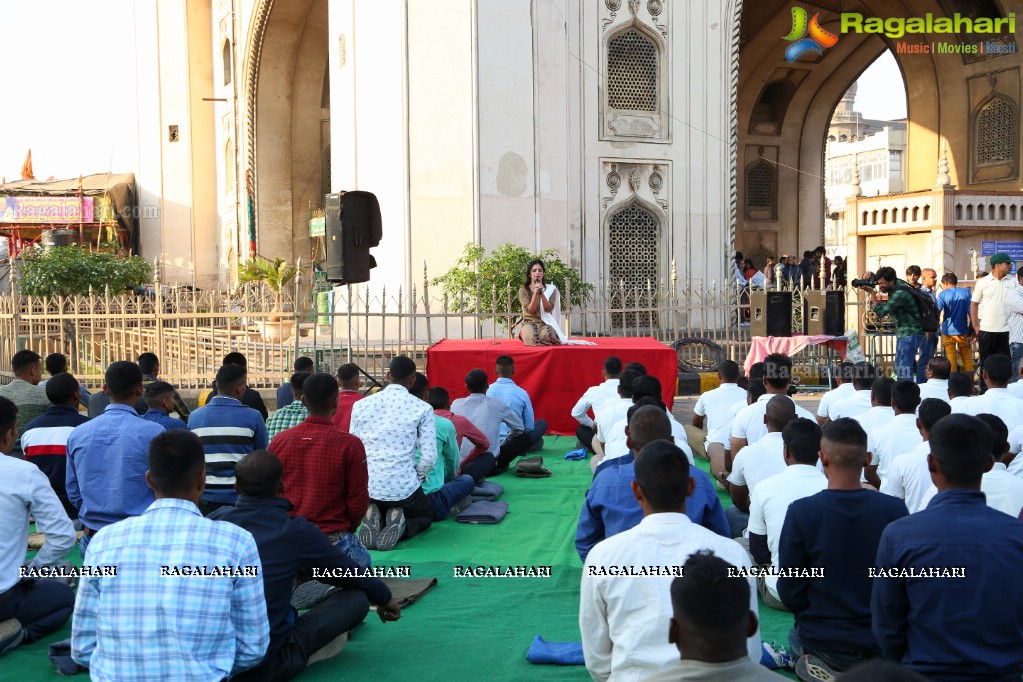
(870, 282)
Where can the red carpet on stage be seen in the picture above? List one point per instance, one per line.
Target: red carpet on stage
(554, 376)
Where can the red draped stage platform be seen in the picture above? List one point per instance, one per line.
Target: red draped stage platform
(554, 376)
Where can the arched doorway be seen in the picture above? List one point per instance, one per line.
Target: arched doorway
(288, 115)
(784, 110)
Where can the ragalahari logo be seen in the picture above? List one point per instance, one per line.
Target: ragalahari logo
(818, 40)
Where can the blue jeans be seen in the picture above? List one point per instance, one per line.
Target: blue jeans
(1016, 353)
(737, 520)
(350, 544)
(539, 429)
(927, 349)
(453, 492)
(836, 660)
(83, 544)
(905, 354)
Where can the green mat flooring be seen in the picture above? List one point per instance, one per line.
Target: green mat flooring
(477, 628)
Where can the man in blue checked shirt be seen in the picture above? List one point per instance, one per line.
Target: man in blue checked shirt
(145, 625)
(515, 397)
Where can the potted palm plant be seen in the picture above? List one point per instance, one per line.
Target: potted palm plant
(275, 275)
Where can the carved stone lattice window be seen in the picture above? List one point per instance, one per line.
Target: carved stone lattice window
(633, 255)
(759, 190)
(632, 72)
(996, 132)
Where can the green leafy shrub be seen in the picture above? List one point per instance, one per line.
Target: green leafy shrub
(470, 285)
(68, 270)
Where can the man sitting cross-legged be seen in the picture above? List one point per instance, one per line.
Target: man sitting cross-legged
(898, 436)
(770, 502)
(348, 380)
(292, 414)
(325, 469)
(149, 363)
(447, 491)
(593, 398)
(709, 430)
(711, 619)
(610, 506)
(611, 412)
(473, 444)
(488, 414)
(997, 400)
(290, 547)
(960, 389)
(908, 476)
(160, 397)
(518, 400)
(392, 424)
(45, 437)
(622, 618)
(106, 457)
(758, 462)
(881, 411)
(844, 389)
(949, 605)
(29, 608)
(25, 392)
(837, 531)
(1002, 491)
(161, 617)
(229, 430)
(645, 386)
(748, 426)
(857, 402)
(285, 394)
(56, 363)
(938, 371)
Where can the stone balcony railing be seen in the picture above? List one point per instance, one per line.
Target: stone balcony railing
(936, 209)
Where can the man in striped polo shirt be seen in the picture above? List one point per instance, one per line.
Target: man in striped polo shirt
(228, 430)
(45, 438)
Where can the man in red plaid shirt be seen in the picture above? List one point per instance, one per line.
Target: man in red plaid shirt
(325, 475)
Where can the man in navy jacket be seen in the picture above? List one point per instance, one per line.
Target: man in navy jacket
(290, 547)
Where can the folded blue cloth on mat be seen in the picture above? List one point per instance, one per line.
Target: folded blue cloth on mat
(558, 653)
(487, 490)
(577, 454)
(484, 512)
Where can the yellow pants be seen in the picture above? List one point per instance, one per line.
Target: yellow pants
(958, 347)
(696, 437)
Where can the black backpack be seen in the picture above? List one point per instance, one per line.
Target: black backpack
(929, 315)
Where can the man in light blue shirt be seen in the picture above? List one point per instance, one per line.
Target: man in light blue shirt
(956, 330)
(106, 457)
(515, 397)
(187, 602)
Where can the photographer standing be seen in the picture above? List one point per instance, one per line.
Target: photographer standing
(902, 307)
(987, 310)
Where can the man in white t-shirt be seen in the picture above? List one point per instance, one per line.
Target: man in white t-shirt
(611, 412)
(1002, 490)
(748, 425)
(845, 389)
(645, 386)
(881, 411)
(708, 431)
(622, 618)
(859, 400)
(757, 462)
(908, 476)
(594, 397)
(898, 436)
(997, 401)
(987, 310)
(936, 386)
(770, 501)
(960, 389)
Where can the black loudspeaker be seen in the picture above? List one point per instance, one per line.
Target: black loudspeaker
(352, 225)
(771, 313)
(834, 312)
(813, 312)
(824, 313)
